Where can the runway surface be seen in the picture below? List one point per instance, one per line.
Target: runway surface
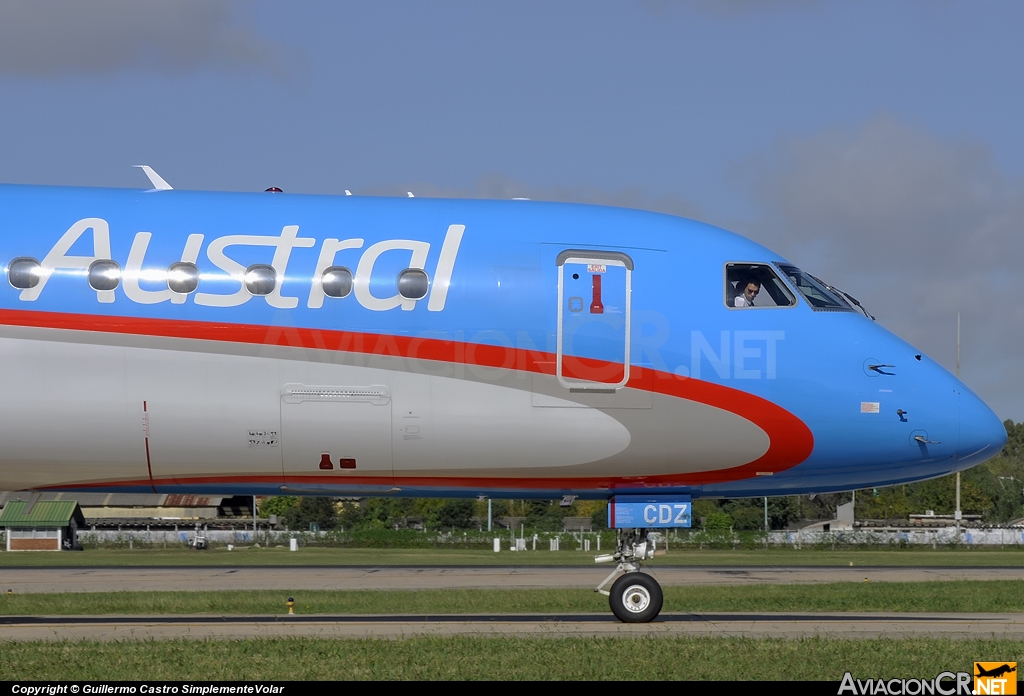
(750, 625)
(719, 624)
(155, 579)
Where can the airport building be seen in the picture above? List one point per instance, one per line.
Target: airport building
(50, 525)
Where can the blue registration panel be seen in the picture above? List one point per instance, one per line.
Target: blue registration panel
(652, 512)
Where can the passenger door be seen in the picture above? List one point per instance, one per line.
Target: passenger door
(593, 342)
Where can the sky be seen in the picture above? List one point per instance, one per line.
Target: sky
(878, 144)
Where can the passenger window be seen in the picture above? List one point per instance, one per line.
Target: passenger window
(412, 284)
(104, 274)
(755, 285)
(183, 278)
(260, 279)
(336, 281)
(23, 273)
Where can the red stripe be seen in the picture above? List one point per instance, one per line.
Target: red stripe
(791, 441)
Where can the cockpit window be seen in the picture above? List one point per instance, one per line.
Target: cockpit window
(817, 294)
(755, 285)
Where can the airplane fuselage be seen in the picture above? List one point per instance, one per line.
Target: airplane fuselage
(428, 347)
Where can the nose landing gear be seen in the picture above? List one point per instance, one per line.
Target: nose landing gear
(635, 597)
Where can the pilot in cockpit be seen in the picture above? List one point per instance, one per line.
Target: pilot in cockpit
(751, 286)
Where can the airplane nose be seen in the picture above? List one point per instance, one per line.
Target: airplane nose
(982, 435)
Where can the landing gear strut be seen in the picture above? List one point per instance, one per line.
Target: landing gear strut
(635, 597)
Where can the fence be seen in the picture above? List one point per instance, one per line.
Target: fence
(408, 539)
(555, 541)
(857, 538)
(942, 536)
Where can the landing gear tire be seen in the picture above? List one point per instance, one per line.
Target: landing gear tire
(636, 598)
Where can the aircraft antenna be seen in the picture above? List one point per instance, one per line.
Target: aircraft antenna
(158, 181)
(347, 192)
(957, 514)
(409, 194)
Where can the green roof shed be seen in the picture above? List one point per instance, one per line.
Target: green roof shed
(49, 525)
(45, 514)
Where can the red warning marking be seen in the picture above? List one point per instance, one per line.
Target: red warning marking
(325, 461)
(346, 463)
(145, 430)
(596, 306)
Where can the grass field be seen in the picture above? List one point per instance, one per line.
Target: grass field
(314, 556)
(508, 658)
(500, 659)
(1001, 596)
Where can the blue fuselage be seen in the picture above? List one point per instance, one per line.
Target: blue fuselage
(613, 320)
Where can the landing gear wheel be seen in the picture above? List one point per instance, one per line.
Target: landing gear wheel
(636, 598)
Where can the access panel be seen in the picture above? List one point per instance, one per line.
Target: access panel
(330, 434)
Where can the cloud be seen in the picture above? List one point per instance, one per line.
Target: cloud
(46, 38)
(918, 227)
(887, 193)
